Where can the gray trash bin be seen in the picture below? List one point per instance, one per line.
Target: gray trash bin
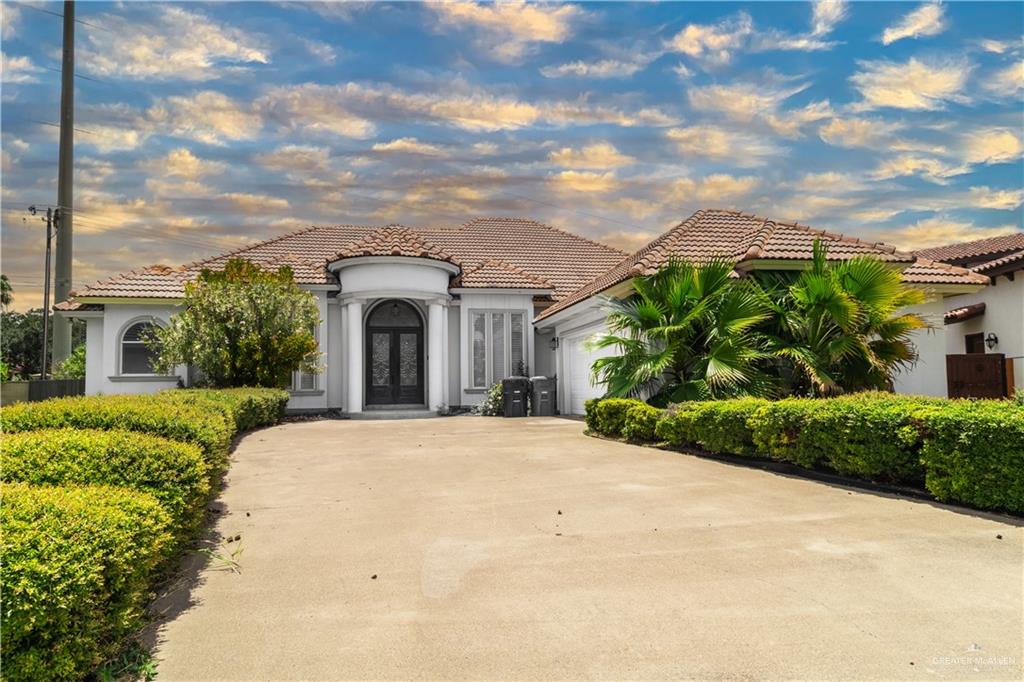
(515, 393)
(545, 396)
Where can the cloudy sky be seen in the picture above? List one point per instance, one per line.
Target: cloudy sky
(203, 127)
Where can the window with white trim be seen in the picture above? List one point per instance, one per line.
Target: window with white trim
(306, 381)
(136, 356)
(498, 345)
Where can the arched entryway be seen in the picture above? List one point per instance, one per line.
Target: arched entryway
(394, 354)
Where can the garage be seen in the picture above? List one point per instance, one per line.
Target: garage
(577, 360)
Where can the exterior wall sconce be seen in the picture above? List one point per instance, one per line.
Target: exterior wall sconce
(554, 343)
(991, 340)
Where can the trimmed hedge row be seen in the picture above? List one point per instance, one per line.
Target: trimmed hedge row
(158, 415)
(76, 569)
(174, 473)
(249, 408)
(78, 553)
(960, 450)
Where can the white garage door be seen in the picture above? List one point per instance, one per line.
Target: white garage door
(578, 361)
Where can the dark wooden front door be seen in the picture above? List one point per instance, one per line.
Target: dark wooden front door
(976, 375)
(394, 356)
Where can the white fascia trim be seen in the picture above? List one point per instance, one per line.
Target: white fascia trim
(619, 290)
(517, 292)
(83, 315)
(319, 287)
(365, 296)
(154, 300)
(343, 263)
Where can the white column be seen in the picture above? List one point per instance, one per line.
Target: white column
(354, 318)
(435, 355)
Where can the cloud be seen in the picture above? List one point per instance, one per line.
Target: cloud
(629, 242)
(182, 163)
(997, 199)
(915, 85)
(510, 29)
(748, 102)
(714, 43)
(873, 133)
(940, 230)
(714, 188)
(992, 145)
(408, 145)
(254, 204)
(295, 158)
(1008, 81)
(826, 14)
(584, 181)
(173, 44)
(598, 155)
(321, 50)
(11, 20)
(714, 142)
(926, 20)
(17, 69)
(927, 168)
(603, 68)
(1001, 46)
(206, 116)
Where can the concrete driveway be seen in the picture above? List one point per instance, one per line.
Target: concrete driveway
(486, 548)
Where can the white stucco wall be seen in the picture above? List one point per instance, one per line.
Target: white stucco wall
(392, 276)
(116, 319)
(928, 376)
(1004, 317)
(335, 358)
(544, 357)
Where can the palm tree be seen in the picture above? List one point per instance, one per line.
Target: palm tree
(836, 326)
(687, 333)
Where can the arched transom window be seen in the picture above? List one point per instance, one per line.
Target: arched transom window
(136, 356)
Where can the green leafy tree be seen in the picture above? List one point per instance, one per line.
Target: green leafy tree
(243, 326)
(73, 366)
(6, 293)
(21, 340)
(838, 327)
(687, 333)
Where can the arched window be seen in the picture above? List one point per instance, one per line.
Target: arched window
(136, 356)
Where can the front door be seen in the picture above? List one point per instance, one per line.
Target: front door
(394, 357)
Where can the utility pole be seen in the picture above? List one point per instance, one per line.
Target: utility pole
(51, 217)
(65, 176)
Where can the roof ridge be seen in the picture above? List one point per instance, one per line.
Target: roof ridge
(505, 265)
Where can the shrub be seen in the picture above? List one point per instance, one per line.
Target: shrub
(590, 413)
(152, 414)
(77, 564)
(776, 428)
(974, 452)
(73, 366)
(676, 425)
(721, 426)
(494, 402)
(611, 415)
(248, 408)
(174, 473)
(640, 422)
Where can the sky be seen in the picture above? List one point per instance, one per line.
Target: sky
(203, 127)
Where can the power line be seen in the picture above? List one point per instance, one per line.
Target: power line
(58, 14)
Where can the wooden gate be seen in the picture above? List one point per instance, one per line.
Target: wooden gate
(976, 375)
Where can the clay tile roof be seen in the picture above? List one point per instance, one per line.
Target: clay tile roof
(744, 237)
(977, 251)
(74, 306)
(496, 274)
(564, 261)
(393, 240)
(964, 313)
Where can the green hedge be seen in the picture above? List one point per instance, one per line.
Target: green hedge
(249, 408)
(77, 562)
(960, 450)
(590, 413)
(174, 473)
(153, 414)
(641, 420)
(974, 452)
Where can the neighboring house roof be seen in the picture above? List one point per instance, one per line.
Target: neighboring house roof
(1011, 261)
(745, 238)
(496, 274)
(561, 260)
(963, 313)
(977, 252)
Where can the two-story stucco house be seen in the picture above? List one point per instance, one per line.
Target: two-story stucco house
(433, 317)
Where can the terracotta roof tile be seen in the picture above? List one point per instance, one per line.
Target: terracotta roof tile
(563, 260)
(745, 237)
(496, 274)
(979, 250)
(963, 313)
